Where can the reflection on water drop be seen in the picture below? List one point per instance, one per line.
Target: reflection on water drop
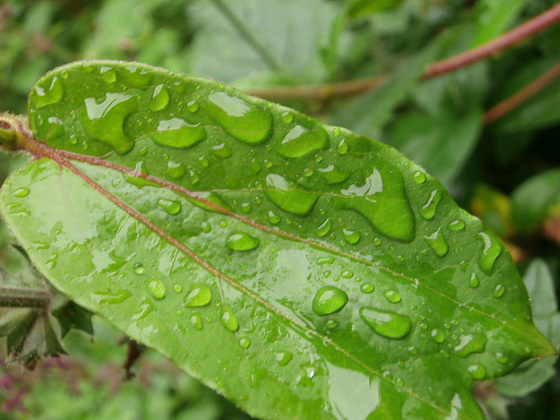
(324, 227)
(21, 192)
(179, 134)
(419, 177)
(491, 250)
(160, 98)
(245, 342)
(328, 300)
(469, 344)
(198, 296)
(478, 371)
(301, 141)
(49, 92)
(428, 210)
(283, 357)
(499, 291)
(288, 197)
(138, 268)
(240, 241)
(156, 288)
(196, 320)
(386, 323)
(457, 225)
(367, 288)
(351, 236)
(175, 170)
(474, 282)
(228, 319)
(393, 296)
(172, 207)
(438, 335)
(437, 243)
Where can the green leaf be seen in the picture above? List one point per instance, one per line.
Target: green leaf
(535, 199)
(273, 257)
(250, 37)
(494, 18)
(532, 374)
(442, 145)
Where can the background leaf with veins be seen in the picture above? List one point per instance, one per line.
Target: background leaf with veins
(274, 257)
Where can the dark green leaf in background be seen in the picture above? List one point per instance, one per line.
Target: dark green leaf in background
(273, 257)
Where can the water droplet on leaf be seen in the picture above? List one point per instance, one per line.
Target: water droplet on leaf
(240, 241)
(228, 319)
(367, 288)
(198, 296)
(437, 243)
(438, 335)
(172, 207)
(288, 197)
(177, 133)
(469, 344)
(393, 296)
(283, 357)
(160, 98)
(457, 225)
(175, 170)
(419, 177)
(156, 288)
(245, 342)
(386, 323)
(491, 249)
(324, 227)
(474, 281)
(328, 300)
(499, 291)
(301, 141)
(21, 192)
(51, 94)
(196, 320)
(477, 371)
(428, 210)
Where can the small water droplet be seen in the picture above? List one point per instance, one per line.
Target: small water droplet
(175, 170)
(178, 288)
(178, 134)
(273, 218)
(221, 150)
(428, 210)
(325, 260)
(438, 335)
(245, 342)
(367, 288)
(172, 207)
(301, 141)
(376, 241)
(196, 320)
(21, 192)
(244, 121)
(329, 300)
(474, 281)
(499, 291)
(160, 98)
(342, 147)
(477, 371)
(331, 324)
(198, 296)
(240, 241)
(206, 227)
(138, 268)
(393, 296)
(419, 177)
(347, 274)
(193, 106)
(324, 227)
(386, 323)
(283, 357)
(49, 92)
(491, 250)
(108, 74)
(351, 236)
(469, 344)
(437, 243)
(287, 116)
(457, 225)
(502, 358)
(156, 288)
(228, 319)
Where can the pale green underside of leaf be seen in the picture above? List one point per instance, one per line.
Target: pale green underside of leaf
(299, 269)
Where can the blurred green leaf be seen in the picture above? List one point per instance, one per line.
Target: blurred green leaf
(494, 208)
(494, 17)
(442, 145)
(532, 374)
(358, 8)
(533, 200)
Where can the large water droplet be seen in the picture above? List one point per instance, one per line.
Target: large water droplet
(175, 170)
(437, 243)
(491, 249)
(21, 192)
(108, 74)
(289, 197)
(244, 121)
(104, 121)
(428, 210)
(324, 227)
(393, 296)
(156, 288)
(177, 133)
(228, 319)
(469, 344)
(419, 177)
(221, 150)
(198, 296)
(136, 76)
(240, 241)
(457, 225)
(160, 98)
(172, 207)
(351, 236)
(49, 92)
(113, 298)
(386, 323)
(332, 175)
(438, 335)
(283, 357)
(474, 281)
(196, 320)
(381, 199)
(328, 300)
(301, 141)
(477, 371)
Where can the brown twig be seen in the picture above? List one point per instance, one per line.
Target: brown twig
(522, 96)
(341, 89)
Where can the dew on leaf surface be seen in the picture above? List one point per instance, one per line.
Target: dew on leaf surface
(351, 236)
(474, 281)
(138, 268)
(172, 207)
(328, 300)
(428, 210)
(469, 344)
(196, 320)
(491, 250)
(175, 170)
(324, 227)
(198, 296)
(419, 177)
(386, 323)
(160, 98)
(21, 192)
(457, 225)
(245, 342)
(393, 296)
(478, 371)
(367, 288)
(51, 94)
(228, 319)
(283, 357)
(301, 141)
(437, 243)
(438, 335)
(240, 241)
(156, 288)
(499, 291)
(287, 197)
(177, 133)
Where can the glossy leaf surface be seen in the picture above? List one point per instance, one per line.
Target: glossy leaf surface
(299, 269)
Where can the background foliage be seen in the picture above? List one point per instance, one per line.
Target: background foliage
(505, 172)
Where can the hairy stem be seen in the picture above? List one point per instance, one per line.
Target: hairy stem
(522, 96)
(12, 297)
(330, 90)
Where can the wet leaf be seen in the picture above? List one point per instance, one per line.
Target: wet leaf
(273, 257)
